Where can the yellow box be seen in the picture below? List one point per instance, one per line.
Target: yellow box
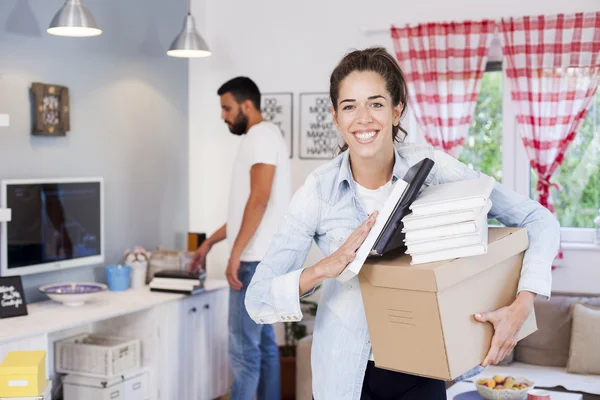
(23, 373)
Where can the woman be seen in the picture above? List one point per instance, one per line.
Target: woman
(337, 206)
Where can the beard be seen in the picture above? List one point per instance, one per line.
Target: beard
(240, 125)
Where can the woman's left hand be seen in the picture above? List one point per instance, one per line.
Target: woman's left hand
(507, 322)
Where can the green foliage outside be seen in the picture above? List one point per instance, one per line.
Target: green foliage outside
(483, 148)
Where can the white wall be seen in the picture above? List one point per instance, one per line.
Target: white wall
(128, 118)
(293, 46)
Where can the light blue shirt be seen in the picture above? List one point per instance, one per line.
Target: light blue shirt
(325, 209)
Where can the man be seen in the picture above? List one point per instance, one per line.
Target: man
(259, 195)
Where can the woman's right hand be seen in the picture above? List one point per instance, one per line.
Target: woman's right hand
(335, 264)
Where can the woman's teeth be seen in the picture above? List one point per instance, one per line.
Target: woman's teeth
(365, 135)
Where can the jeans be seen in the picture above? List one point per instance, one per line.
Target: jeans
(253, 353)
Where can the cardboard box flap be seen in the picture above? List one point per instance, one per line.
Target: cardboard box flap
(394, 270)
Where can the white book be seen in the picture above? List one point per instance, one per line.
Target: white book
(447, 243)
(450, 230)
(384, 214)
(454, 196)
(413, 222)
(174, 282)
(449, 254)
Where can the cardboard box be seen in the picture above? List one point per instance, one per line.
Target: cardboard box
(420, 317)
(23, 374)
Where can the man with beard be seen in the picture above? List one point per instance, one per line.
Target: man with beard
(259, 195)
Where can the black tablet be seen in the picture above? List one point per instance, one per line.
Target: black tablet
(391, 236)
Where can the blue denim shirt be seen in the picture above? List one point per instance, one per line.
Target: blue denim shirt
(325, 209)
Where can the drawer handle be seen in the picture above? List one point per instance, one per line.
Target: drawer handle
(115, 394)
(206, 306)
(137, 386)
(192, 310)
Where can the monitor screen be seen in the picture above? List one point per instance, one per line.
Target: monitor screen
(51, 223)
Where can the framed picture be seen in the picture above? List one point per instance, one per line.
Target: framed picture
(278, 109)
(12, 297)
(319, 137)
(51, 110)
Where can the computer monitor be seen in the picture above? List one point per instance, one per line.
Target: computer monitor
(56, 224)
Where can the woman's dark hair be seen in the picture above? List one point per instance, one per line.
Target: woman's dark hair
(375, 59)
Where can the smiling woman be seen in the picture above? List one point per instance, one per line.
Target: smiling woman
(337, 207)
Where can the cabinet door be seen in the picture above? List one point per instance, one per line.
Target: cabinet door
(218, 331)
(208, 377)
(191, 357)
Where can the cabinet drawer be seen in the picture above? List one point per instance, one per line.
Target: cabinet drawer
(76, 392)
(136, 388)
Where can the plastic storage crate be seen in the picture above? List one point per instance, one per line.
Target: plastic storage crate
(97, 356)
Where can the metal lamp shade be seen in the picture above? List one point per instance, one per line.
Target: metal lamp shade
(74, 19)
(189, 44)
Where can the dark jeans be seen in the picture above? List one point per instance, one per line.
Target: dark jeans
(382, 384)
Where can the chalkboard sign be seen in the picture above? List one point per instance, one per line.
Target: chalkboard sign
(277, 108)
(12, 298)
(319, 138)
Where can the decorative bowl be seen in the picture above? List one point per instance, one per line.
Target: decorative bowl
(504, 394)
(73, 293)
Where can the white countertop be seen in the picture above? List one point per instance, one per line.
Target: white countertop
(50, 316)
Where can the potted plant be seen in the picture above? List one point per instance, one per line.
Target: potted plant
(293, 332)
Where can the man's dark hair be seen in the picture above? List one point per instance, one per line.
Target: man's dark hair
(242, 88)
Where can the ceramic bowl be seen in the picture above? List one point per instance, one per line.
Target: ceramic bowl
(505, 394)
(73, 293)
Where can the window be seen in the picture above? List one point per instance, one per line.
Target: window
(494, 147)
(578, 200)
(483, 147)
(490, 142)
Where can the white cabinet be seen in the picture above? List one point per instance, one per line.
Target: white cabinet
(204, 359)
(184, 338)
(201, 345)
(193, 348)
(184, 344)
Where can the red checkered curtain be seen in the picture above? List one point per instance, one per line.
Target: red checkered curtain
(443, 64)
(553, 65)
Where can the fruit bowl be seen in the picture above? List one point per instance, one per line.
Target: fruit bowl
(504, 388)
(73, 293)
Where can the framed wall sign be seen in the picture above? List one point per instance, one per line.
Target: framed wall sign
(12, 297)
(319, 137)
(278, 109)
(51, 110)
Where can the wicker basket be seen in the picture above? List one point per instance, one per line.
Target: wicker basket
(97, 356)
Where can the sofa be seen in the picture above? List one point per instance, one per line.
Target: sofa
(543, 356)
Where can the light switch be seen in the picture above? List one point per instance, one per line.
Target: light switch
(5, 215)
(4, 120)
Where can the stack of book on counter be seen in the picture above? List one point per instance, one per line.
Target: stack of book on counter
(177, 281)
(449, 221)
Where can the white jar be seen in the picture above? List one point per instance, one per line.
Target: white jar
(138, 273)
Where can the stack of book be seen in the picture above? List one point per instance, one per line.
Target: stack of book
(177, 281)
(449, 221)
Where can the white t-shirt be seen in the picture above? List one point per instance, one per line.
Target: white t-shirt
(371, 201)
(262, 144)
